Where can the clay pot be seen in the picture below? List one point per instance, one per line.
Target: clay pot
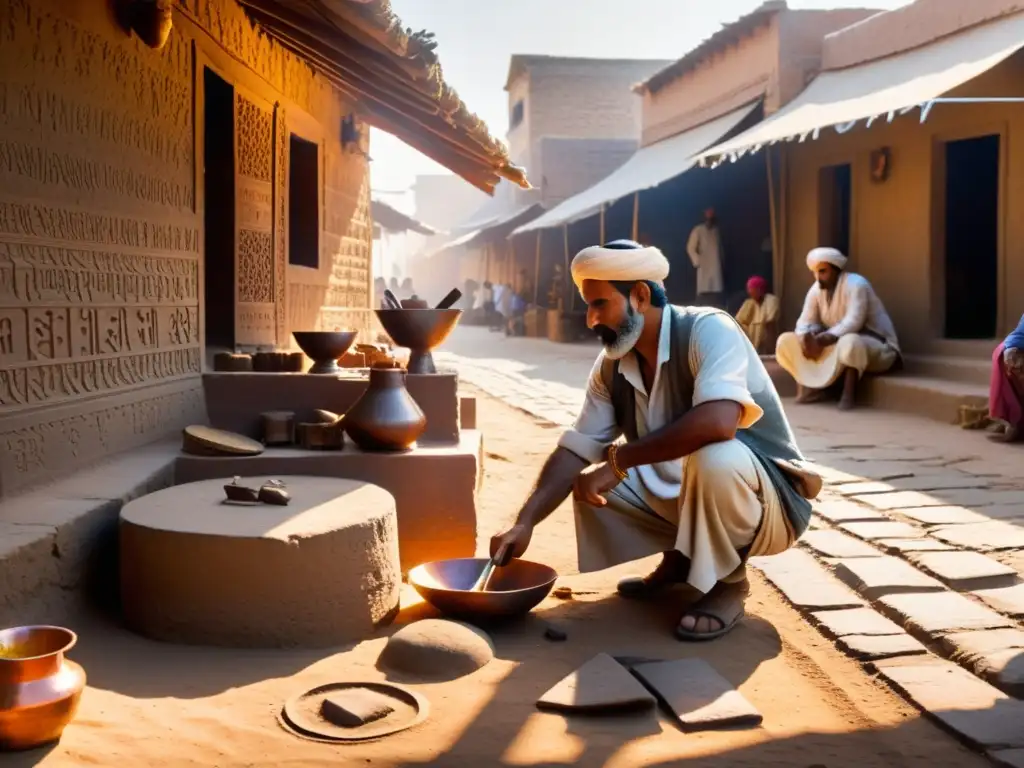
(385, 418)
(39, 688)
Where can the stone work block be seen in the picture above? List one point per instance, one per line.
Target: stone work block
(886, 529)
(885, 575)
(1008, 600)
(985, 537)
(965, 570)
(979, 713)
(806, 583)
(837, 544)
(929, 615)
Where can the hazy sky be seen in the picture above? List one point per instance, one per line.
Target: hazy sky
(476, 38)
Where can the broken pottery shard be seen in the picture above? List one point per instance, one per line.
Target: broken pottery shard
(698, 696)
(600, 685)
(355, 707)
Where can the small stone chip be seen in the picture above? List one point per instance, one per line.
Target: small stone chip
(555, 634)
(356, 707)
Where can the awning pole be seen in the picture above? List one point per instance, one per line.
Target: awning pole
(536, 272)
(772, 219)
(601, 240)
(565, 240)
(636, 216)
(783, 222)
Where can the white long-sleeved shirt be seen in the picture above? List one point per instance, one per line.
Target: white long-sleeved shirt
(853, 308)
(705, 250)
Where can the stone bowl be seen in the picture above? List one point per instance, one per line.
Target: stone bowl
(324, 348)
(420, 330)
(514, 590)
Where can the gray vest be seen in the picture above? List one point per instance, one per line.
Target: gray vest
(770, 439)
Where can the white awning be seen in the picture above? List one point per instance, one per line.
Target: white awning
(648, 167)
(498, 228)
(882, 88)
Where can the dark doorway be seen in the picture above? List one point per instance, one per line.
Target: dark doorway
(972, 247)
(835, 184)
(304, 203)
(219, 211)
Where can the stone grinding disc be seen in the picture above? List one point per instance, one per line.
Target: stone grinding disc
(218, 441)
(301, 715)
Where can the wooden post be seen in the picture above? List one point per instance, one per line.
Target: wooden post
(600, 239)
(536, 272)
(771, 218)
(780, 280)
(568, 278)
(636, 216)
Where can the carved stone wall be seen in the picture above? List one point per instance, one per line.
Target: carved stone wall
(101, 246)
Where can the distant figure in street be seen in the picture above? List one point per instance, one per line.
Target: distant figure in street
(488, 303)
(503, 303)
(517, 321)
(1006, 390)
(843, 332)
(379, 286)
(705, 250)
(759, 316)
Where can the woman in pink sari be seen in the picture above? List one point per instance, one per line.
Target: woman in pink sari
(1006, 390)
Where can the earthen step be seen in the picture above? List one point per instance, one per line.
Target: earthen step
(932, 398)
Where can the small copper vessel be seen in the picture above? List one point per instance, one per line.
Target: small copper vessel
(386, 417)
(39, 687)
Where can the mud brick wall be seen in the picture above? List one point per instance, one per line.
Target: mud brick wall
(101, 222)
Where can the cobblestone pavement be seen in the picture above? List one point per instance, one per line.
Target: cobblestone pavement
(913, 563)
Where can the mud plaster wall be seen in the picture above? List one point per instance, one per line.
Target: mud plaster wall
(895, 226)
(101, 211)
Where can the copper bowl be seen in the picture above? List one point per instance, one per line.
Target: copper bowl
(420, 330)
(39, 687)
(324, 348)
(514, 590)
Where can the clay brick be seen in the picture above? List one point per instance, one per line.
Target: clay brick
(855, 621)
(885, 575)
(1008, 600)
(804, 582)
(986, 537)
(877, 647)
(965, 570)
(887, 529)
(937, 613)
(982, 715)
(831, 543)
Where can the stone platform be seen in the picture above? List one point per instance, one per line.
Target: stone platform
(321, 571)
(434, 486)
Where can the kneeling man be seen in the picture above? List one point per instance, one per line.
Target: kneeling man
(843, 332)
(708, 474)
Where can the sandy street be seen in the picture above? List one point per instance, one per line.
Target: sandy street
(150, 704)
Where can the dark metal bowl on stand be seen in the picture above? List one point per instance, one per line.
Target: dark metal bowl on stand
(420, 330)
(324, 348)
(514, 589)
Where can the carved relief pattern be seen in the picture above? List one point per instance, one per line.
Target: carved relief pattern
(255, 267)
(255, 141)
(281, 227)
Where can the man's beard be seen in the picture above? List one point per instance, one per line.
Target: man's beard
(618, 343)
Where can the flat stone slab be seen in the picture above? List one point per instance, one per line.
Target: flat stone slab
(600, 685)
(944, 515)
(996, 655)
(965, 570)
(897, 546)
(886, 529)
(983, 715)
(978, 497)
(931, 614)
(841, 510)
(885, 575)
(1008, 600)
(856, 621)
(968, 644)
(805, 583)
(831, 543)
(877, 647)
(900, 500)
(986, 537)
(697, 694)
(1008, 758)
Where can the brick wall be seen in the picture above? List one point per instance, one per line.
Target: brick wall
(572, 165)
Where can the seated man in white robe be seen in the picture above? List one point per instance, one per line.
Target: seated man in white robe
(843, 332)
(708, 473)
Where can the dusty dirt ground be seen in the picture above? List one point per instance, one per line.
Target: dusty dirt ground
(151, 704)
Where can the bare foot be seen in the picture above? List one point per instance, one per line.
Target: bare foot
(673, 569)
(716, 613)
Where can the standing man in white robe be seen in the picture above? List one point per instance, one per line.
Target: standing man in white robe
(843, 332)
(705, 250)
(709, 473)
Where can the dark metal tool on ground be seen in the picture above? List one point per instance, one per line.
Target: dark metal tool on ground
(449, 300)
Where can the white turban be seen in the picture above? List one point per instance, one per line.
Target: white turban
(622, 260)
(831, 256)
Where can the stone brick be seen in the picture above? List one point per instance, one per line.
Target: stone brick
(841, 510)
(886, 529)
(897, 546)
(1008, 600)
(855, 621)
(996, 655)
(885, 575)
(986, 537)
(966, 570)
(943, 515)
(982, 643)
(978, 712)
(804, 582)
(928, 615)
(837, 544)
(899, 500)
(877, 647)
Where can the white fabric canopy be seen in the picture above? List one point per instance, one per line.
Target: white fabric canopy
(882, 88)
(648, 167)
